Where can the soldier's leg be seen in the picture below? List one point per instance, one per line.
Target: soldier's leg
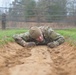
(61, 40)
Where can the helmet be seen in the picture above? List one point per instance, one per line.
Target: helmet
(35, 32)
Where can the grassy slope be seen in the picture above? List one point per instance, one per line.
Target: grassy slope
(6, 35)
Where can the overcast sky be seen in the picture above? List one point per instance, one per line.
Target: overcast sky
(5, 3)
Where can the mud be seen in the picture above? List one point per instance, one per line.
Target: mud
(38, 60)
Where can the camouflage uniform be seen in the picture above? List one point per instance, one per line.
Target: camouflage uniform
(51, 38)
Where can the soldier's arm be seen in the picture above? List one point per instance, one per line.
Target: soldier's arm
(21, 39)
(57, 39)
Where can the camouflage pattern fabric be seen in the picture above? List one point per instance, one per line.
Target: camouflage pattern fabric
(51, 38)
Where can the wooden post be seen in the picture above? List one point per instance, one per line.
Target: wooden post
(4, 21)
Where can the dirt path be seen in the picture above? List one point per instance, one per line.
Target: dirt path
(39, 60)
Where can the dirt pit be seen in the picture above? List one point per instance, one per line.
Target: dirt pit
(39, 60)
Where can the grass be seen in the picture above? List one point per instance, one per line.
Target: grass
(69, 34)
(6, 35)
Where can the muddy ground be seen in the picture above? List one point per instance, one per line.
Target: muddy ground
(39, 60)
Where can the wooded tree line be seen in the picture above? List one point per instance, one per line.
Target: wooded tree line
(50, 10)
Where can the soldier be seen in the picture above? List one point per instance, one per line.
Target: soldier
(43, 35)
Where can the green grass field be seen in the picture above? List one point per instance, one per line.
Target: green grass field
(6, 35)
(70, 35)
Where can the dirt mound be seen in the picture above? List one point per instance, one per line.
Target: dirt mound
(39, 60)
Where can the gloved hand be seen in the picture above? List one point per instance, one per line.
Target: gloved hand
(53, 44)
(30, 44)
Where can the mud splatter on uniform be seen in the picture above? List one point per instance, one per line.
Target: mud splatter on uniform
(50, 37)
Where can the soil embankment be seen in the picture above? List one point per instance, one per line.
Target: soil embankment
(39, 60)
